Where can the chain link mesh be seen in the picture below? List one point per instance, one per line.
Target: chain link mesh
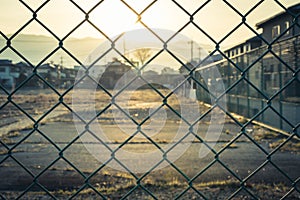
(239, 102)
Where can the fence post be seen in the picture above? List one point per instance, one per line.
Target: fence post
(248, 88)
(262, 87)
(280, 86)
(229, 83)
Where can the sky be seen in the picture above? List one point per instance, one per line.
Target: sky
(114, 17)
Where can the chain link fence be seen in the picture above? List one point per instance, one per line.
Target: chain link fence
(270, 80)
(44, 155)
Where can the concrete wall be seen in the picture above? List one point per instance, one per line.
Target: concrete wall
(249, 107)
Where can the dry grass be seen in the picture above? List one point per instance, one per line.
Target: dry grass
(231, 146)
(13, 134)
(262, 134)
(212, 190)
(4, 152)
(290, 146)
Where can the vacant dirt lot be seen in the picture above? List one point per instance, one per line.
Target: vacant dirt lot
(55, 158)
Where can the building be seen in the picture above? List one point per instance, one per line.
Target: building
(12, 75)
(185, 69)
(50, 73)
(9, 73)
(150, 73)
(270, 73)
(279, 26)
(24, 68)
(113, 72)
(282, 25)
(169, 70)
(244, 47)
(67, 77)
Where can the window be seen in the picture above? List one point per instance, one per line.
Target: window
(287, 25)
(257, 74)
(2, 69)
(14, 69)
(271, 68)
(275, 31)
(274, 78)
(246, 47)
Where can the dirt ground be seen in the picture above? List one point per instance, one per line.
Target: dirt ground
(65, 175)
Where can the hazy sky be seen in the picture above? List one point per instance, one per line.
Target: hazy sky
(113, 17)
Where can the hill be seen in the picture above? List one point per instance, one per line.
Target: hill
(35, 48)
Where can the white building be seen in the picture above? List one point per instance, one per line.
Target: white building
(8, 73)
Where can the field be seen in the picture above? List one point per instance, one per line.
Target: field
(55, 158)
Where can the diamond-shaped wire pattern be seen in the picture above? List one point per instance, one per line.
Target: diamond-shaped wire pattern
(45, 143)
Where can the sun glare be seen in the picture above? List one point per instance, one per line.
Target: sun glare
(113, 18)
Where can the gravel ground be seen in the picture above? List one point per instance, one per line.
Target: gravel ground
(35, 152)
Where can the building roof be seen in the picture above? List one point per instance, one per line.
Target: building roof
(293, 10)
(5, 62)
(235, 46)
(253, 39)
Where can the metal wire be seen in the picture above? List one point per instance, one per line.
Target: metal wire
(270, 48)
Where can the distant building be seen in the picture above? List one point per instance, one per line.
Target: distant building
(9, 73)
(185, 69)
(57, 75)
(97, 70)
(150, 73)
(47, 69)
(50, 73)
(169, 70)
(67, 77)
(113, 72)
(281, 25)
(24, 68)
(12, 75)
(94, 71)
(77, 67)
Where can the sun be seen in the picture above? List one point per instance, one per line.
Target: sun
(114, 17)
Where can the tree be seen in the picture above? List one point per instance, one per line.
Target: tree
(142, 54)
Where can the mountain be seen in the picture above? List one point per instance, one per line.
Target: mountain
(35, 48)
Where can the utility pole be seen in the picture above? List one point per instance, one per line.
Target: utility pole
(192, 49)
(59, 70)
(124, 47)
(61, 61)
(89, 59)
(199, 51)
(125, 50)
